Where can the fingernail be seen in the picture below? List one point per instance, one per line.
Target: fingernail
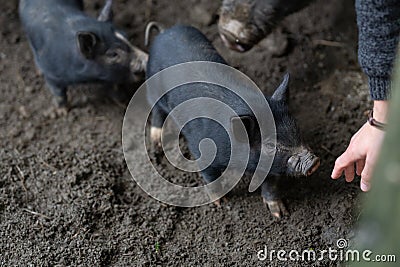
(364, 187)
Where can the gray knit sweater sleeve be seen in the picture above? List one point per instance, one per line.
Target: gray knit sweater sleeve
(379, 29)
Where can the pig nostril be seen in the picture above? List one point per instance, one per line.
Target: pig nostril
(314, 167)
(234, 43)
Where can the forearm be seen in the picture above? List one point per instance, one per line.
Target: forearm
(380, 110)
(379, 29)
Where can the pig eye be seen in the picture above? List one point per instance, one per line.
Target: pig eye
(112, 54)
(269, 147)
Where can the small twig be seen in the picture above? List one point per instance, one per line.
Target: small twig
(17, 152)
(79, 232)
(31, 170)
(327, 150)
(128, 254)
(9, 174)
(22, 177)
(37, 214)
(47, 164)
(328, 43)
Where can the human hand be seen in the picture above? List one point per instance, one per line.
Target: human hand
(363, 150)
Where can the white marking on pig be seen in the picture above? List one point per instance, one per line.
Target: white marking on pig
(234, 26)
(140, 63)
(155, 135)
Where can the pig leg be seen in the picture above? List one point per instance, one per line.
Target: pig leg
(158, 117)
(39, 72)
(60, 97)
(210, 174)
(270, 194)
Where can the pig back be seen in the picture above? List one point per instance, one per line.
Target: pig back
(180, 44)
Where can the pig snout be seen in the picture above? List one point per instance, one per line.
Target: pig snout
(235, 36)
(244, 23)
(139, 59)
(303, 164)
(240, 24)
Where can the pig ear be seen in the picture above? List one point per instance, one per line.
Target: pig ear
(106, 13)
(248, 123)
(281, 93)
(87, 42)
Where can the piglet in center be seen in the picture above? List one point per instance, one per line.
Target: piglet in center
(293, 157)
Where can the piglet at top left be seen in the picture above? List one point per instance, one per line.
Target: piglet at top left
(70, 47)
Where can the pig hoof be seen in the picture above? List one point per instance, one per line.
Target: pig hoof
(39, 73)
(56, 112)
(277, 208)
(62, 111)
(220, 202)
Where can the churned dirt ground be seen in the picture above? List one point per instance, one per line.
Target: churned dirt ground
(66, 197)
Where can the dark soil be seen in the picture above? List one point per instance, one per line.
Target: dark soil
(66, 197)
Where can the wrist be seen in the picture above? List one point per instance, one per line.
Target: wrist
(381, 110)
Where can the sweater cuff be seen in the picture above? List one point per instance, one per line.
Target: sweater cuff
(379, 88)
